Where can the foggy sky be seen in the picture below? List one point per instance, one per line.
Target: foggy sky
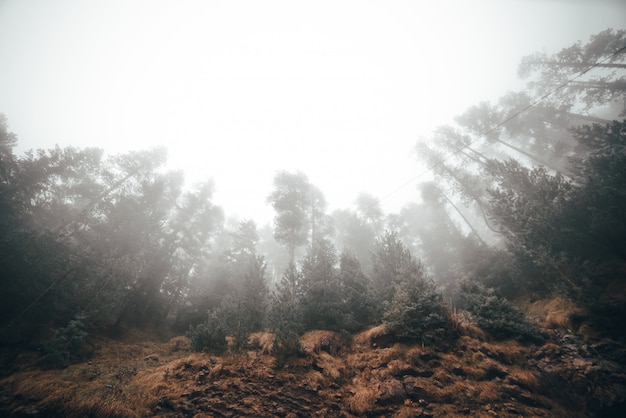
(237, 90)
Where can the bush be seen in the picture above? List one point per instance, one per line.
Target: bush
(286, 316)
(231, 319)
(287, 325)
(416, 311)
(67, 345)
(495, 314)
(208, 336)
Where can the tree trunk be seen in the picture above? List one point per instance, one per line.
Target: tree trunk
(467, 222)
(580, 66)
(587, 118)
(533, 157)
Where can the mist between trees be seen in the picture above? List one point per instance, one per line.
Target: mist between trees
(526, 200)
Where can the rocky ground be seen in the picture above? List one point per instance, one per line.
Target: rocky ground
(336, 376)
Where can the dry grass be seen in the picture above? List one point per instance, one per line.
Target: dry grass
(321, 348)
(489, 391)
(180, 343)
(263, 341)
(475, 371)
(448, 360)
(396, 351)
(524, 378)
(131, 380)
(506, 352)
(587, 332)
(194, 362)
(363, 397)
(554, 313)
(466, 328)
(318, 340)
(331, 366)
(408, 410)
(365, 338)
(148, 387)
(316, 380)
(413, 354)
(477, 357)
(63, 391)
(549, 349)
(256, 365)
(361, 361)
(459, 392)
(122, 379)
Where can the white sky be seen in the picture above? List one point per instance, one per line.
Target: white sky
(238, 90)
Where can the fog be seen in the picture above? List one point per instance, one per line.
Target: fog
(238, 91)
(337, 205)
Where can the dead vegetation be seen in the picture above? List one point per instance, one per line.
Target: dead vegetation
(263, 341)
(555, 313)
(367, 376)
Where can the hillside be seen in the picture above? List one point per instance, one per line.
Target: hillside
(572, 374)
(497, 290)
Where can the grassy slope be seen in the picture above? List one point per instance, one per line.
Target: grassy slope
(136, 376)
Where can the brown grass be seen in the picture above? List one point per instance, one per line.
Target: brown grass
(506, 352)
(489, 391)
(471, 330)
(131, 380)
(587, 332)
(413, 355)
(321, 348)
(331, 366)
(263, 341)
(365, 338)
(475, 371)
(554, 313)
(316, 380)
(194, 362)
(466, 326)
(256, 365)
(363, 398)
(122, 379)
(319, 340)
(180, 343)
(549, 349)
(63, 391)
(448, 360)
(408, 410)
(524, 378)
(459, 392)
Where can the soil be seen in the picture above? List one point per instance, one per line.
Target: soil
(366, 375)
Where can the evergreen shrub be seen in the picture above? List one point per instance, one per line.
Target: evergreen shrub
(495, 314)
(67, 345)
(417, 312)
(208, 336)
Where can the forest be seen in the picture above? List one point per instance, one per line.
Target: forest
(523, 201)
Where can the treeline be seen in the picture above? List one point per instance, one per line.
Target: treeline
(527, 198)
